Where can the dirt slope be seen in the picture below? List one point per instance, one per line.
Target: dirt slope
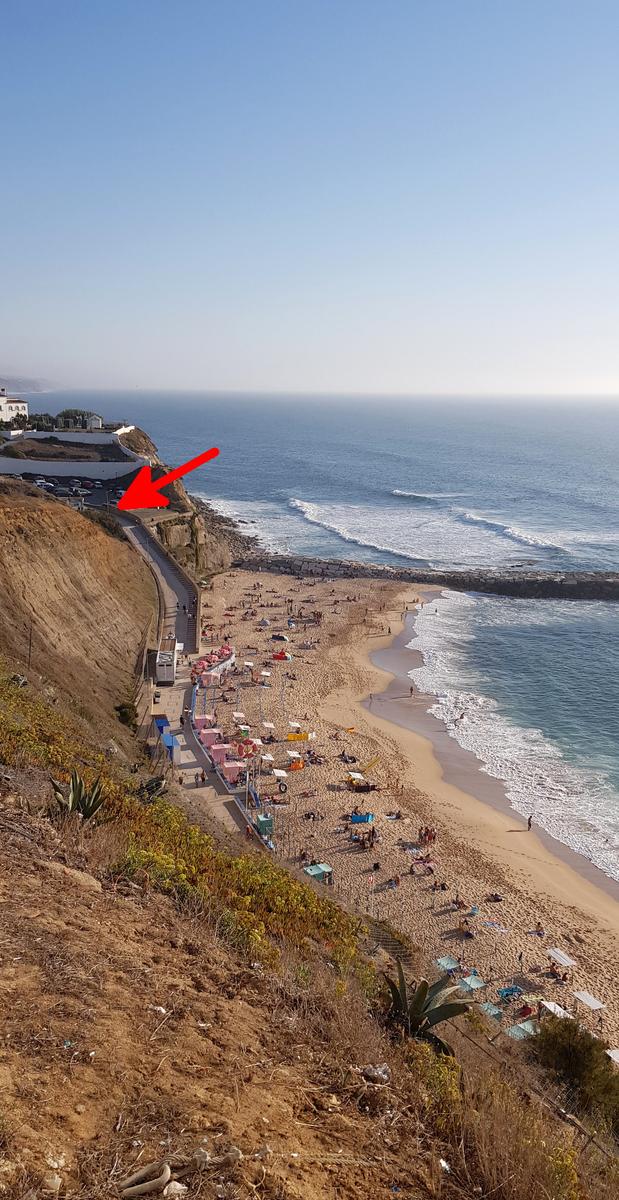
(129, 1035)
(89, 598)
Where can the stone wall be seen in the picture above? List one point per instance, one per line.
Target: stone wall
(593, 585)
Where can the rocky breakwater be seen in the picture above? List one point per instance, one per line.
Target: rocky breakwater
(577, 585)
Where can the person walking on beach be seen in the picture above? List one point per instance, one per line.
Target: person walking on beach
(530, 821)
(520, 956)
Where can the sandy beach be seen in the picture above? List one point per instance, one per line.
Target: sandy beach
(352, 690)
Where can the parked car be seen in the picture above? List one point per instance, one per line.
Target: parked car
(87, 483)
(98, 483)
(62, 491)
(75, 483)
(44, 485)
(79, 491)
(157, 697)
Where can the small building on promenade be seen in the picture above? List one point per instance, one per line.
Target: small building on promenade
(11, 407)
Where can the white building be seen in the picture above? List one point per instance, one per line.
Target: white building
(10, 407)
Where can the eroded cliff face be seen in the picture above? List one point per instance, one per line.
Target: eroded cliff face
(201, 552)
(80, 603)
(202, 542)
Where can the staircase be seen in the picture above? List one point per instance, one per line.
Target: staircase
(382, 937)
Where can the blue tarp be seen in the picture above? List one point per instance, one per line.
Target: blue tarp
(161, 723)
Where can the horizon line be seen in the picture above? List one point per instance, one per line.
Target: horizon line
(327, 394)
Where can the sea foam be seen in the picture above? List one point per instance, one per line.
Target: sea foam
(576, 804)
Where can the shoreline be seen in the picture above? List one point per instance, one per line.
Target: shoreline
(455, 766)
(480, 849)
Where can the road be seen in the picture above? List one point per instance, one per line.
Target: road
(212, 796)
(178, 598)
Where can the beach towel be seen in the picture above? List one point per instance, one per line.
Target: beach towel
(509, 993)
(495, 925)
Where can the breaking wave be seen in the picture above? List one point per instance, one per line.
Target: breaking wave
(314, 515)
(508, 531)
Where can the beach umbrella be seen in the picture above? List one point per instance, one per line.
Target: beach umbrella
(589, 1001)
(561, 957)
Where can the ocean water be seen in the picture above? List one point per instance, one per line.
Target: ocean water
(458, 484)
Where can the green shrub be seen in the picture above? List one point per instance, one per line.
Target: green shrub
(106, 520)
(127, 714)
(580, 1060)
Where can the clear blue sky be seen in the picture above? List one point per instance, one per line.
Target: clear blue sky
(336, 195)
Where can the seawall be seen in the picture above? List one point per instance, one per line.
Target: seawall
(577, 585)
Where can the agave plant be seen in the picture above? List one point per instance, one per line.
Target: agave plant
(416, 1010)
(77, 798)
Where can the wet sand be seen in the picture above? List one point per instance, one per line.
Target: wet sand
(458, 767)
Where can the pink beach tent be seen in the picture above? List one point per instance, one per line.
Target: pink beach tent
(231, 770)
(210, 737)
(202, 719)
(220, 751)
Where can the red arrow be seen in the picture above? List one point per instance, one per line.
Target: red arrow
(145, 492)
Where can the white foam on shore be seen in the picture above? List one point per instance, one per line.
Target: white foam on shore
(275, 528)
(577, 806)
